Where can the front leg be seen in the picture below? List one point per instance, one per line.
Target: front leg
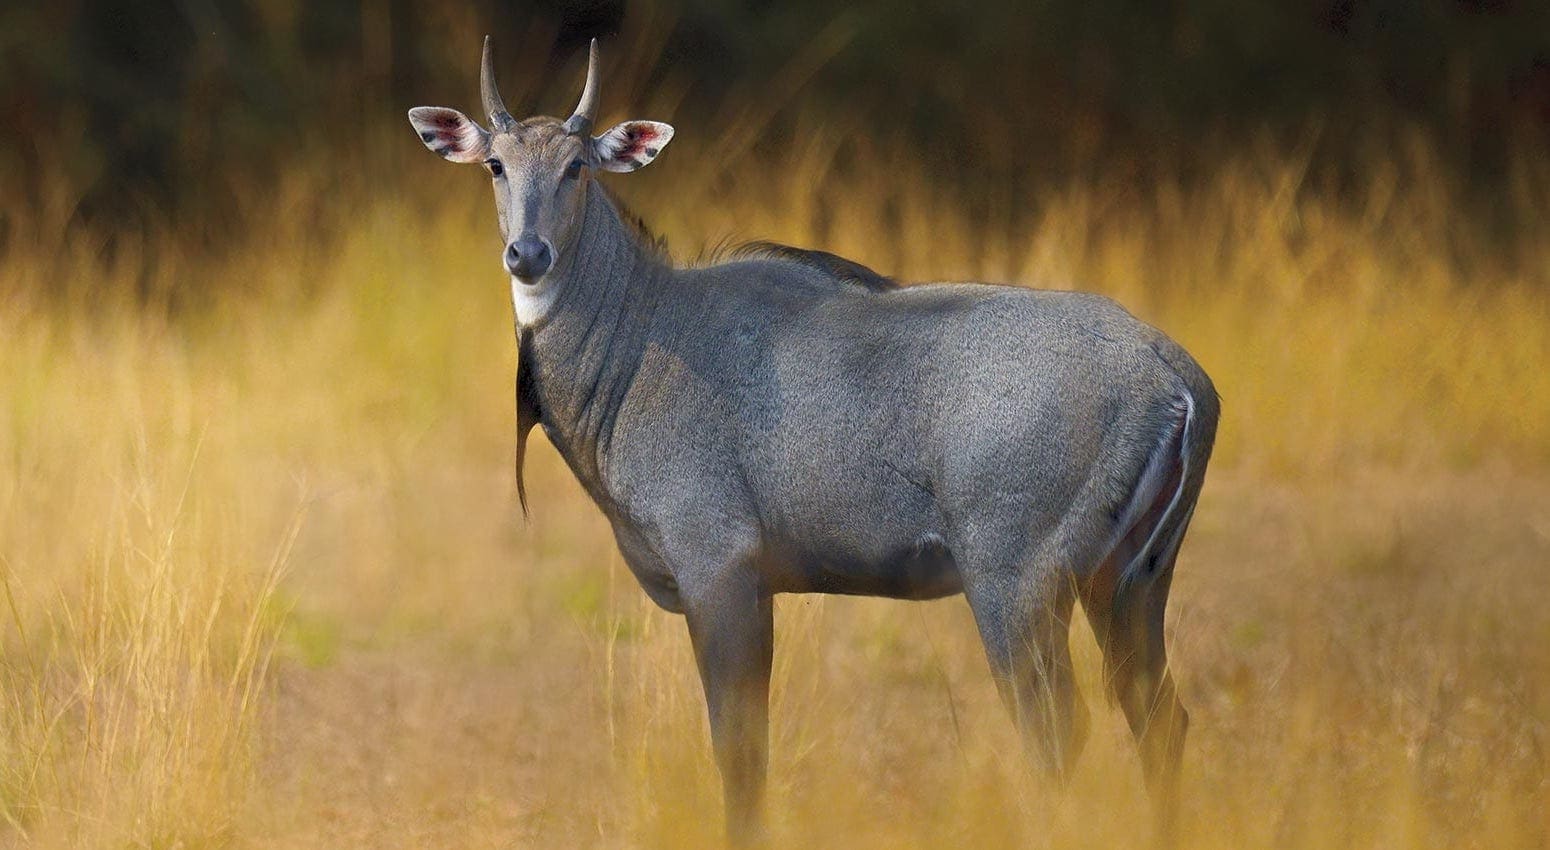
(732, 628)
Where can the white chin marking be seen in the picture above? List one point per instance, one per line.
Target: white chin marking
(531, 301)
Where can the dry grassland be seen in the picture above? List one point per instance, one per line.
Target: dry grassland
(265, 582)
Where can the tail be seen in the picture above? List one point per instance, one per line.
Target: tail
(1153, 526)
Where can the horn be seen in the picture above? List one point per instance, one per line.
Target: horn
(499, 117)
(581, 120)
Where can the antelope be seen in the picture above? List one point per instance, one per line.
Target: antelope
(789, 421)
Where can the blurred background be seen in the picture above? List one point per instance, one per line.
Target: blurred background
(265, 582)
(156, 114)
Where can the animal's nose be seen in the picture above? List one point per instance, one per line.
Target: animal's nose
(528, 257)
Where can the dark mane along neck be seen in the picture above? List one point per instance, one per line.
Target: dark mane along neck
(840, 269)
(837, 267)
(650, 243)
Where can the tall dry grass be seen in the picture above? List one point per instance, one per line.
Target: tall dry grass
(266, 584)
(139, 591)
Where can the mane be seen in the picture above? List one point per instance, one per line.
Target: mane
(651, 243)
(832, 265)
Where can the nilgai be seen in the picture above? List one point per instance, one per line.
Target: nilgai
(793, 422)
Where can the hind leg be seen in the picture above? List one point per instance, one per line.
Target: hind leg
(1024, 622)
(1136, 667)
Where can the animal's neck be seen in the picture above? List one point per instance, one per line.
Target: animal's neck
(584, 353)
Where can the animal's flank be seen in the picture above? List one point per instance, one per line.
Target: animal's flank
(833, 265)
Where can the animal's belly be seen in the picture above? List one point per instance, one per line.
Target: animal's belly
(922, 569)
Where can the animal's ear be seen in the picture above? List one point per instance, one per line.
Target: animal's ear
(631, 145)
(450, 134)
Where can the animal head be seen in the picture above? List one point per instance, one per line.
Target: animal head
(540, 167)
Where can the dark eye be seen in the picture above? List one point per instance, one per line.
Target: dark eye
(573, 170)
(496, 169)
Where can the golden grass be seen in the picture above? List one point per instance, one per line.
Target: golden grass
(315, 465)
(138, 590)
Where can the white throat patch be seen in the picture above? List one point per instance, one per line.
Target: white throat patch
(532, 301)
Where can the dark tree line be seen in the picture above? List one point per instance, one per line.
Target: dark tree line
(159, 105)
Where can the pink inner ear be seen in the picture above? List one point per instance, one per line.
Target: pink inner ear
(452, 133)
(447, 127)
(637, 137)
